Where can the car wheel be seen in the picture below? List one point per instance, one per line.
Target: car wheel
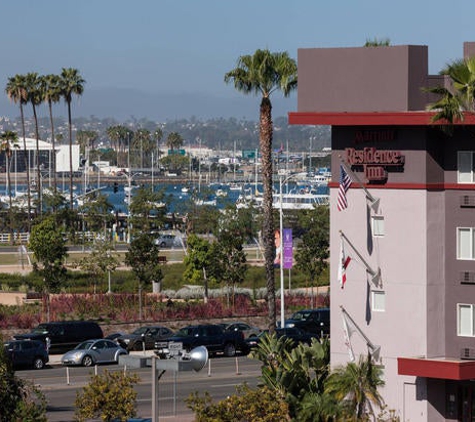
(163, 244)
(87, 361)
(38, 363)
(137, 346)
(229, 350)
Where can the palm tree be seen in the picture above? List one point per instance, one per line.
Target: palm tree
(71, 84)
(174, 141)
(8, 141)
(35, 97)
(355, 386)
(17, 92)
(142, 142)
(157, 137)
(457, 98)
(263, 73)
(52, 94)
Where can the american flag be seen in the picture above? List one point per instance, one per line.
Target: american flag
(345, 183)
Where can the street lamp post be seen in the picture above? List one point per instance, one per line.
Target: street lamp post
(282, 180)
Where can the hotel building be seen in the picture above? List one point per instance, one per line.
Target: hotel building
(409, 227)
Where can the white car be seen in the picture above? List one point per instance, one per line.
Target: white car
(92, 352)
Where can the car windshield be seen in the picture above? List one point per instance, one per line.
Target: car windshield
(187, 331)
(140, 331)
(301, 316)
(41, 329)
(85, 345)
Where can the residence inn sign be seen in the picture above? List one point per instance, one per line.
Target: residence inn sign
(375, 163)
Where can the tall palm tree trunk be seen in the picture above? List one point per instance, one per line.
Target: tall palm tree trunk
(27, 166)
(8, 156)
(38, 171)
(53, 144)
(265, 141)
(71, 204)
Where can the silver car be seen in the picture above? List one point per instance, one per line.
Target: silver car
(91, 352)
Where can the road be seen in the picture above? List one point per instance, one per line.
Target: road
(219, 377)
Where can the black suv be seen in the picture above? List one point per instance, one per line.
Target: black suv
(315, 321)
(144, 336)
(62, 336)
(27, 353)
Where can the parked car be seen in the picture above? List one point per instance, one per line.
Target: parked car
(212, 336)
(144, 335)
(92, 352)
(114, 336)
(166, 241)
(246, 329)
(316, 321)
(26, 353)
(296, 335)
(60, 336)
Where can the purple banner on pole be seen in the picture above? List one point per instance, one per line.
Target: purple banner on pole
(288, 251)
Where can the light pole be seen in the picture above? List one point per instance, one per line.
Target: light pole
(282, 180)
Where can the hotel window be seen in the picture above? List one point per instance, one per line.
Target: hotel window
(465, 323)
(466, 167)
(465, 243)
(378, 225)
(378, 301)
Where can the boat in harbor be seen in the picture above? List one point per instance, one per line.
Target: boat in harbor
(296, 199)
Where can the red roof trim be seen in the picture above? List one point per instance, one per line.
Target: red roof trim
(437, 368)
(414, 186)
(403, 118)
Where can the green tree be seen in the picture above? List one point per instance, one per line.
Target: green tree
(21, 400)
(86, 140)
(157, 136)
(96, 211)
(142, 257)
(71, 84)
(9, 141)
(100, 261)
(248, 404)
(147, 209)
(35, 98)
(263, 73)
(313, 252)
(198, 260)
(49, 251)
(175, 162)
(375, 42)
(230, 263)
(17, 92)
(52, 94)
(142, 142)
(296, 372)
(459, 97)
(355, 387)
(174, 141)
(109, 396)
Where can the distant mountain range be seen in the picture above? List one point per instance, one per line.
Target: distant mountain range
(121, 104)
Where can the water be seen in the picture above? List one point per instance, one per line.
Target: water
(177, 200)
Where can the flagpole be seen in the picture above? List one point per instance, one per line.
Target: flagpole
(368, 268)
(374, 201)
(368, 341)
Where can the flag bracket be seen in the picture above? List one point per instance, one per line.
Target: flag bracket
(373, 349)
(374, 202)
(375, 274)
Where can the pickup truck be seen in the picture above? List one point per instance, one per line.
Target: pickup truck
(213, 337)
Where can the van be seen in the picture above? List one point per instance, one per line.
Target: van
(315, 321)
(62, 336)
